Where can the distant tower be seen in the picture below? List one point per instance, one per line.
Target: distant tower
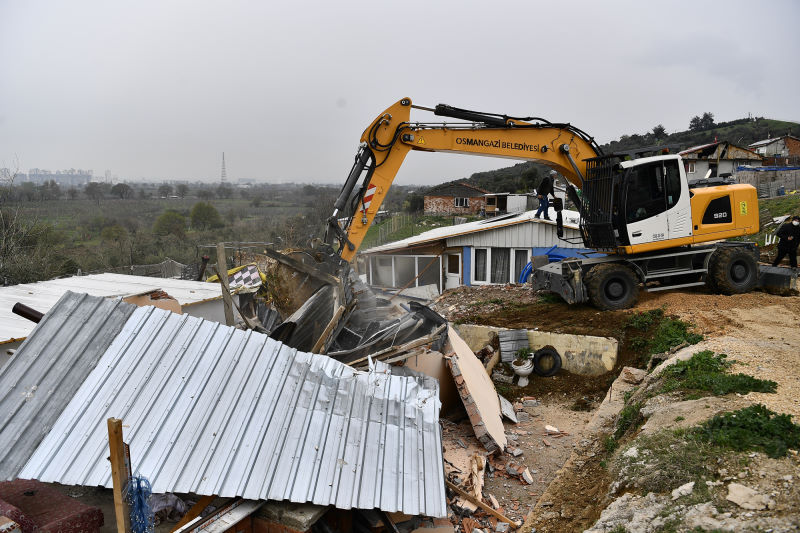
(224, 177)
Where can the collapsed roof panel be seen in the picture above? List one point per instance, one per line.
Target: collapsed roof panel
(47, 370)
(210, 409)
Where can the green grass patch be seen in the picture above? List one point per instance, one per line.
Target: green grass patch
(707, 371)
(659, 333)
(752, 428)
(668, 459)
(642, 320)
(610, 443)
(672, 332)
(629, 417)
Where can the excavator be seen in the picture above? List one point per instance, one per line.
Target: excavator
(651, 227)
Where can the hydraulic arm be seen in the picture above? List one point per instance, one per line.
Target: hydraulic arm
(387, 140)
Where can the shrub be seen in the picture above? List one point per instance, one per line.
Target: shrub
(751, 428)
(706, 371)
(629, 417)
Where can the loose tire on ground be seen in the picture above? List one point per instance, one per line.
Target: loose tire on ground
(546, 362)
(733, 270)
(612, 286)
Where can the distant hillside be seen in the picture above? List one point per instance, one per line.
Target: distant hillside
(741, 132)
(523, 177)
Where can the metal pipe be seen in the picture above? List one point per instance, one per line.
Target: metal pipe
(27, 312)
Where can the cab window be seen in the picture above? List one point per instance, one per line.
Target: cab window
(673, 183)
(645, 195)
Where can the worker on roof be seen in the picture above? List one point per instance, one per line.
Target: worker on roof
(545, 188)
(789, 235)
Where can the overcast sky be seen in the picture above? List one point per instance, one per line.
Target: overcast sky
(159, 89)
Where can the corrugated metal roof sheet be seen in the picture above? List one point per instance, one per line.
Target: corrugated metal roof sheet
(47, 370)
(214, 410)
(44, 294)
(570, 221)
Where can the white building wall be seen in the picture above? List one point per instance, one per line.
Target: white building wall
(213, 310)
(526, 235)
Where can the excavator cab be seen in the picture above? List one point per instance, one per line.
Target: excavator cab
(637, 203)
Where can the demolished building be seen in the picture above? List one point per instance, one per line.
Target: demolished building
(216, 410)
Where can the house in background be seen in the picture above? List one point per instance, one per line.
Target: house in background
(779, 151)
(490, 251)
(503, 203)
(454, 199)
(720, 157)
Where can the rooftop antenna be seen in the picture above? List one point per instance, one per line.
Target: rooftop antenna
(224, 177)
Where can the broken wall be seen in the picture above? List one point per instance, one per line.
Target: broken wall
(580, 354)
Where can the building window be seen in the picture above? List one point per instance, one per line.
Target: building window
(690, 168)
(501, 264)
(481, 256)
(461, 202)
(453, 264)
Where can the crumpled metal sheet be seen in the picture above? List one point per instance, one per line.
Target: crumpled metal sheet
(210, 409)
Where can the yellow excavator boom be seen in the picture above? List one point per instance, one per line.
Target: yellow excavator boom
(391, 136)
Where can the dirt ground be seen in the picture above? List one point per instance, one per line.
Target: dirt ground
(760, 331)
(543, 454)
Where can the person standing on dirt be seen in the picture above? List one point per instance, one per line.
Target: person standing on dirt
(545, 188)
(789, 235)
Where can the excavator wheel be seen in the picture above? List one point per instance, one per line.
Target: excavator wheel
(733, 270)
(612, 286)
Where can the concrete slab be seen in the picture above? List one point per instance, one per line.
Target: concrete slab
(580, 354)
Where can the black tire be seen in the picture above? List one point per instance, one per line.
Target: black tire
(733, 270)
(546, 362)
(612, 286)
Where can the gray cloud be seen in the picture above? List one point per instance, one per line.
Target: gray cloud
(160, 89)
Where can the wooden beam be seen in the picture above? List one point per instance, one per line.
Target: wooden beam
(119, 473)
(320, 344)
(467, 496)
(194, 512)
(399, 349)
(302, 267)
(222, 274)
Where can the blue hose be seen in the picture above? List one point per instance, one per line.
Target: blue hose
(523, 276)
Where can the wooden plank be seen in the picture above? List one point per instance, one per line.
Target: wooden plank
(225, 521)
(194, 512)
(222, 268)
(397, 358)
(399, 349)
(119, 473)
(472, 499)
(302, 267)
(320, 344)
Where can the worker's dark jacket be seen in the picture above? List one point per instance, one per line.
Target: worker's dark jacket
(545, 187)
(786, 231)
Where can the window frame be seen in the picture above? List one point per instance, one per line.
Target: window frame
(487, 268)
(461, 201)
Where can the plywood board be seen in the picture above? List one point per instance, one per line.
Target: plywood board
(477, 392)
